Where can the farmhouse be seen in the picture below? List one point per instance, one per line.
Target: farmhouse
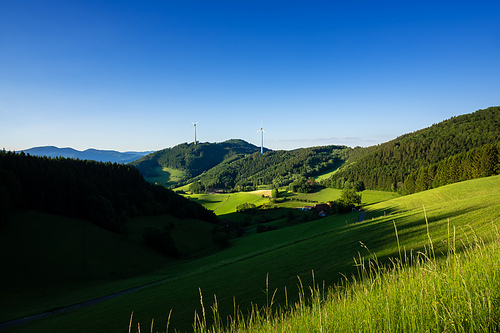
(215, 191)
(322, 207)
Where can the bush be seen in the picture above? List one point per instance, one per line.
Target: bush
(348, 199)
(245, 207)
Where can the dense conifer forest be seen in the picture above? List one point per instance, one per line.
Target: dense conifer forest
(387, 166)
(476, 163)
(106, 194)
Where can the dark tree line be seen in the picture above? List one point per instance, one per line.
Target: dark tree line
(386, 166)
(476, 163)
(104, 193)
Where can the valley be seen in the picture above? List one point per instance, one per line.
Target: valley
(217, 233)
(326, 246)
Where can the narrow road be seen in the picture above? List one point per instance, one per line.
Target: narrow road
(24, 320)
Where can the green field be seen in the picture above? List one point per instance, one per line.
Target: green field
(166, 176)
(226, 203)
(326, 246)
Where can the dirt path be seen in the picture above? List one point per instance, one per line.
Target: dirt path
(222, 203)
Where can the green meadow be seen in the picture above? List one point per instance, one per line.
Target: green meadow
(166, 176)
(273, 281)
(227, 202)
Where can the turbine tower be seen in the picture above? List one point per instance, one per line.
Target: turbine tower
(194, 125)
(261, 130)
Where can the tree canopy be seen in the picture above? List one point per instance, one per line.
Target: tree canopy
(104, 193)
(387, 166)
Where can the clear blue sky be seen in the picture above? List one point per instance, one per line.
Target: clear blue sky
(132, 75)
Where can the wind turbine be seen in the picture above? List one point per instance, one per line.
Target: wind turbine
(261, 130)
(194, 125)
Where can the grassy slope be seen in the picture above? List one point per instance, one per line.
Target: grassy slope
(166, 176)
(227, 203)
(47, 255)
(186, 241)
(64, 261)
(326, 246)
(328, 173)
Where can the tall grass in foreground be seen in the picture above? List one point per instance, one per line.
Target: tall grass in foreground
(415, 293)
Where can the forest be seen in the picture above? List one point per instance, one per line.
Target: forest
(476, 163)
(387, 166)
(276, 168)
(105, 194)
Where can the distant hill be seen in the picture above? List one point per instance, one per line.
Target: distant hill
(278, 168)
(388, 165)
(88, 154)
(194, 159)
(239, 165)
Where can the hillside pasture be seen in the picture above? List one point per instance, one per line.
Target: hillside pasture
(326, 194)
(326, 246)
(321, 195)
(328, 173)
(227, 202)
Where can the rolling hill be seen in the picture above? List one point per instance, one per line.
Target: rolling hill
(237, 165)
(237, 275)
(111, 208)
(387, 166)
(277, 168)
(193, 159)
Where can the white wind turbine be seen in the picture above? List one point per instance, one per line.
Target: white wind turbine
(261, 130)
(194, 125)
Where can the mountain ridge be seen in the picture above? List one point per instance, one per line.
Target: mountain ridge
(98, 155)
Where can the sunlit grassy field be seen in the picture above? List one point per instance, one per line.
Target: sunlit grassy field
(226, 203)
(328, 247)
(166, 176)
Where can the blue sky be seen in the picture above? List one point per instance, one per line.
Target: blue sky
(132, 75)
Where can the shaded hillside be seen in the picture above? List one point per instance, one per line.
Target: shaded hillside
(273, 167)
(386, 166)
(88, 154)
(105, 194)
(194, 159)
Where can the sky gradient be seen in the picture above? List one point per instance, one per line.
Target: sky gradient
(132, 75)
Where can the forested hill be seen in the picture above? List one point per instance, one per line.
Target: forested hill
(194, 159)
(105, 194)
(386, 166)
(278, 168)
